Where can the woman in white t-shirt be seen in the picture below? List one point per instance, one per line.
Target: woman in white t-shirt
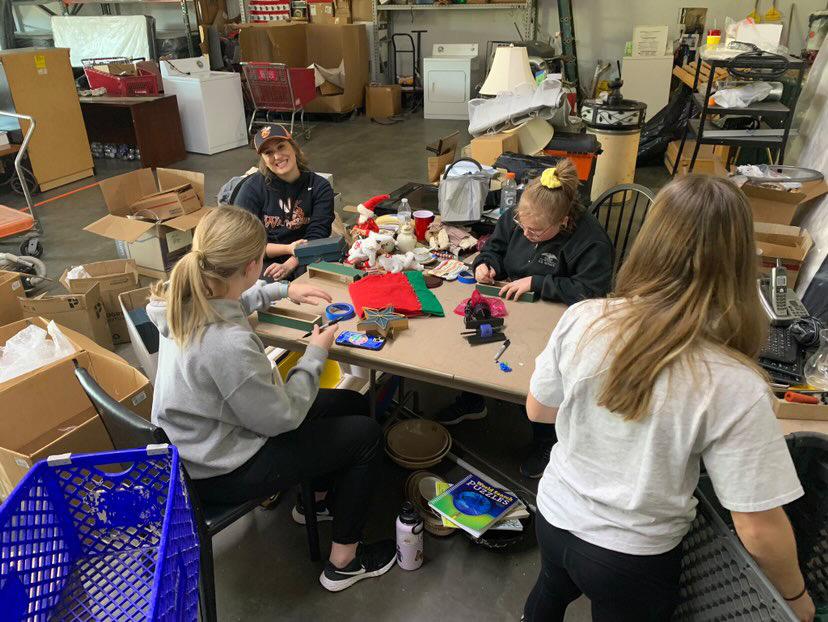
(644, 386)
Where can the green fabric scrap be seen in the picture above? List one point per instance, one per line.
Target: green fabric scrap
(428, 301)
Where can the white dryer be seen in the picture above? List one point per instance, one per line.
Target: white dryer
(210, 104)
(447, 80)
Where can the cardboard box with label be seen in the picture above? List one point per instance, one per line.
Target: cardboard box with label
(46, 412)
(141, 210)
(84, 313)
(790, 244)
(383, 100)
(11, 289)
(487, 148)
(301, 45)
(114, 277)
(143, 334)
(778, 206)
(321, 12)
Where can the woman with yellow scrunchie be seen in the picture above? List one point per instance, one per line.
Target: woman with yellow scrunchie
(548, 244)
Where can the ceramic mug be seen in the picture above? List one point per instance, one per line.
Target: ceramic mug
(422, 219)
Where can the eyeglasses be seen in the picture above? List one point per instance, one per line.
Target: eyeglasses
(530, 231)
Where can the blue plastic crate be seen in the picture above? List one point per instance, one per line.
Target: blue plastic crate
(107, 536)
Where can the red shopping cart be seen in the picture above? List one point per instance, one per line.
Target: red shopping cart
(275, 87)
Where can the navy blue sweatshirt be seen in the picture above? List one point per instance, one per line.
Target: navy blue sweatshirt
(572, 266)
(290, 212)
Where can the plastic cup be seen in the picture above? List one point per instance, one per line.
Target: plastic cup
(422, 219)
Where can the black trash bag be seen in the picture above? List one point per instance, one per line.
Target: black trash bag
(666, 126)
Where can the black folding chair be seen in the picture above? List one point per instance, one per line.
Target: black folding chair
(621, 210)
(129, 430)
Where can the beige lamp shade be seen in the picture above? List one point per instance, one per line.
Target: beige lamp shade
(509, 69)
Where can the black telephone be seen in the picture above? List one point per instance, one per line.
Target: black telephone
(781, 304)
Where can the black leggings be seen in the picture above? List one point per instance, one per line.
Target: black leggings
(621, 587)
(336, 446)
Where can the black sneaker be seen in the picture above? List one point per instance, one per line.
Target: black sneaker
(323, 513)
(466, 406)
(535, 463)
(372, 560)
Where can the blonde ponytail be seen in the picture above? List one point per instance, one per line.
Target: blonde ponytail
(225, 242)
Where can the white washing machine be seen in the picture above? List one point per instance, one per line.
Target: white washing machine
(447, 80)
(210, 104)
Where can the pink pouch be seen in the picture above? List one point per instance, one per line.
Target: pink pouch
(497, 306)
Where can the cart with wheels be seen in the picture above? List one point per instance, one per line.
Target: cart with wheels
(22, 223)
(275, 87)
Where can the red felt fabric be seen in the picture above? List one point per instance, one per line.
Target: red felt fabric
(385, 290)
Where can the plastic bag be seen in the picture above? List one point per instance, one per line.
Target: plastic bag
(461, 199)
(742, 96)
(32, 349)
(78, 272)
(666, 125)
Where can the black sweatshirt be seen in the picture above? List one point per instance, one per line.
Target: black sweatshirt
(290, 212)
(571, 267)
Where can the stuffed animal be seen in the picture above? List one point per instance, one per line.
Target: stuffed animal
(367, 249)
(366, 223)
(399, 263)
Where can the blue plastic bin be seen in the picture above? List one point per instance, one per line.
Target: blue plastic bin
(107, 536)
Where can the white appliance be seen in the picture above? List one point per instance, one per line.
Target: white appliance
(447, 80)
(647, 79)
(209, 102)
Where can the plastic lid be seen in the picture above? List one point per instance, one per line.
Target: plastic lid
(408, 515)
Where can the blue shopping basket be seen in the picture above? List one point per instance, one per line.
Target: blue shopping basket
(106, 536)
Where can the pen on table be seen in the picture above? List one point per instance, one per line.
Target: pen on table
(505, 345)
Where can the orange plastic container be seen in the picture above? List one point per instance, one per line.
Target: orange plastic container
(583, 161)
(14, 222)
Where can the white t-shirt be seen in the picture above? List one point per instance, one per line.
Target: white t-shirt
(628, 486)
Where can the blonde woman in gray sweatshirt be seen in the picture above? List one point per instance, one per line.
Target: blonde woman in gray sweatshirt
(242, 433)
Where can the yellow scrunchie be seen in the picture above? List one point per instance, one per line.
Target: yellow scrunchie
(549, 178)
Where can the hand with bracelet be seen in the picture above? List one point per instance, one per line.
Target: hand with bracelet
(802, 605)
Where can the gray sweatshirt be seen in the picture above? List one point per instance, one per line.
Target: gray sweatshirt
(218, 399)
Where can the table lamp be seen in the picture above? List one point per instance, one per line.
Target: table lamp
(509, 69)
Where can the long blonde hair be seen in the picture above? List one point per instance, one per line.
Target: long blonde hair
(689, 281)
(553, 205)
(225, 241)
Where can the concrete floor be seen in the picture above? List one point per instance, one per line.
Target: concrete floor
(262, 567)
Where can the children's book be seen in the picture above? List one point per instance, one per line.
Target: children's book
(474, 505)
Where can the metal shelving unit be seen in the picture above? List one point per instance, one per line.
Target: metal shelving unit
(73, 7)
(383, 22)
(773, 115)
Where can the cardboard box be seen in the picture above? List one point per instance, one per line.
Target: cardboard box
(383, 100)
(46, 412)
(779, 207)
(804, 412)
(326, 89)
(300, 45)
(170, 203)
(39, 82)
(11, 289)
(487, 148)
(362, 11)
(321, 12)
(114, 276)
(145, 351)
(790, 244)
(83, 313)
(155, 246)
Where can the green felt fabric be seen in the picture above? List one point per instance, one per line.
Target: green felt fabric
(428, 301)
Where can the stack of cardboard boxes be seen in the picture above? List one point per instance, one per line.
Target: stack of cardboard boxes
(154, 216)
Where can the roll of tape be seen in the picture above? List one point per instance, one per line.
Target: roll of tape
(486, 330)
(339, 311)
(466, 277)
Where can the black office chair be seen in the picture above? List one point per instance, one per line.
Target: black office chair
(621, 210)
(129, 430)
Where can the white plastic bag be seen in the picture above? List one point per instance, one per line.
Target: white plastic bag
(78, 272)
(32, 349)
(742, 96)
